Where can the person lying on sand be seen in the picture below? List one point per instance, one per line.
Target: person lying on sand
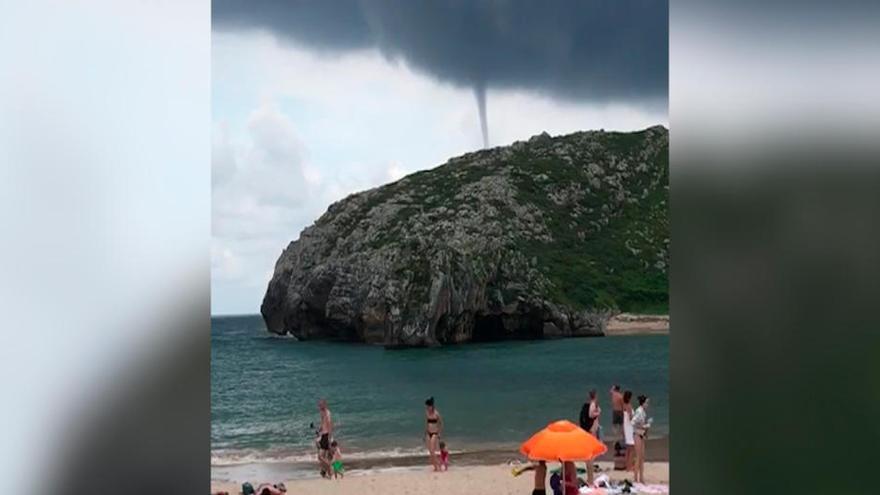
(270, 489)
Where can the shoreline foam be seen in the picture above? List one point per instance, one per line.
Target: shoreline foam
(303, 466)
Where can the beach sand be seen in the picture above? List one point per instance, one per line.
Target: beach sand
(459, 480)
(630, 324)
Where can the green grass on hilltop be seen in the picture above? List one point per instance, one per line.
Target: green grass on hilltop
(599, 270)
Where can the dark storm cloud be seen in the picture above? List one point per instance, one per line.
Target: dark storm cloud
(585, 50)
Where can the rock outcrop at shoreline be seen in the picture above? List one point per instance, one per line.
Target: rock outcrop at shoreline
(543, 238)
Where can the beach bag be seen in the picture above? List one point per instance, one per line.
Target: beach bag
(247, 489)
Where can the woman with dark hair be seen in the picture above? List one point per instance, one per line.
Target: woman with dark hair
(628, 436)
(433, 430)
(640, 423)
(589, 420)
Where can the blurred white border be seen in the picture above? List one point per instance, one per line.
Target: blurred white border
(104, 202)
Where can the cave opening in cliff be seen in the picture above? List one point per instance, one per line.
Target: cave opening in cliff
(491, 328)
(488, 328)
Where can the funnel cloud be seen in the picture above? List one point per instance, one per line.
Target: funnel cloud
(480, 93)
(574, 50)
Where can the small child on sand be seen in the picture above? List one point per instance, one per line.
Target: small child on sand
(338, 470)
(444, 457)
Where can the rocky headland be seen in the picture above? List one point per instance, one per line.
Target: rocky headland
(544, 238)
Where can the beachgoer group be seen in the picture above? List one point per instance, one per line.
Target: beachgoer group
(329, 454)
(627, 425)
(630, 426)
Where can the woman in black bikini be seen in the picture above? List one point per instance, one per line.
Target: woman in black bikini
(433, 429)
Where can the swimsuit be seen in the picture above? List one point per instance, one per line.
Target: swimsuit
(325, 441)
(337, 467)
(432, 433)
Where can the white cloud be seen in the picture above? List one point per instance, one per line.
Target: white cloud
(396, 172)
(222, 155)
(272, 168)
(225, 265)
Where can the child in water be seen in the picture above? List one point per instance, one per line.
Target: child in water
(444, 457)
(336, 457)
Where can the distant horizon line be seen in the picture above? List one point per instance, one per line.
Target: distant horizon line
(224, 315)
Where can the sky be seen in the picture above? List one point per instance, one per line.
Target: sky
(313, 101)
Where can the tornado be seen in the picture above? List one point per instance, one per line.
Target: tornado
(480, 93)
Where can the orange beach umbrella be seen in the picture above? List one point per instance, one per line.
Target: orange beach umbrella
(562, 441)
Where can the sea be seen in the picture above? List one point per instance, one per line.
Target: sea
(492, 396)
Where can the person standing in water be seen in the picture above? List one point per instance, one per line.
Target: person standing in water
(444, 457)
(433, 430)
(617, 412)
(324, 434)
(336, 458)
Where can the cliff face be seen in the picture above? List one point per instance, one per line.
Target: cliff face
(544, 238)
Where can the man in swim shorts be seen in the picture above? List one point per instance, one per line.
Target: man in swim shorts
(324, 434)
(617, 411)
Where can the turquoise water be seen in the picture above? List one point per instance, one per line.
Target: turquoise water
(492, 396)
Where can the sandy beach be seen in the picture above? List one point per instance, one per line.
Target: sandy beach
(411, 475)
(459, 480)
(632, 324)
